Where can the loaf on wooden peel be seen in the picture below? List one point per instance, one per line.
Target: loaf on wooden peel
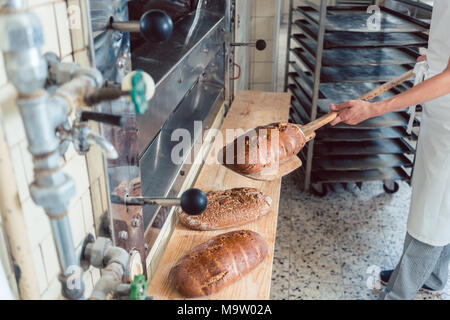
(229, 208)
(217, 263)
(266, 147)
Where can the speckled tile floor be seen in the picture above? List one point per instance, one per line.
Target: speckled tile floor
(331, 247)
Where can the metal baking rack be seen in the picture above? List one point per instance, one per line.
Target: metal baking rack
(332, 56)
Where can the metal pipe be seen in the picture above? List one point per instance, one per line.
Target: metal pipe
(112, 260)
(128, 26)
(52, 188)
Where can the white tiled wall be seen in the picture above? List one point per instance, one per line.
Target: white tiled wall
(262, 27)
(70, 44)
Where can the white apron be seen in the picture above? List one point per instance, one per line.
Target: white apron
(429, 216)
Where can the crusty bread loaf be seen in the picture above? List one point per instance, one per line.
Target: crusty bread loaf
(261, 148)
(229, 208)
(217, 263)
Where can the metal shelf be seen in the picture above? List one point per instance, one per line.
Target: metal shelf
(361, 162)
(328, 176)
(379, 146)
(364, 40)
(354, 19)
(342, 134)
(352, 73)
(360, 56)
(332, 57)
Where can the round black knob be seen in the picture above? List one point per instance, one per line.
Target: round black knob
(193, 201)
(260, 45)
(156, 25)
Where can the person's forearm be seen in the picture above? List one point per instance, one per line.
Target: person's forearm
(430, 89)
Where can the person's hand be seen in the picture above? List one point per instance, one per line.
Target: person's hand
(421, 58)
(353, 112)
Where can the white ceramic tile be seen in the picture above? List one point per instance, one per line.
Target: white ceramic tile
(263, 8)
(27, 160)
(34, 3)
(39, 268)
(88, 217)
(76, 24)
(50, 257)
(63, 28)
(46, 14)
(82, 58)
(19, 173)
(53, 292)
(88, 286)
(261, 72)
(96, 197)
(36, 222)
(261, 86)
(77, 169)
(262, 28)
(265, 55)
(12, 121)
(77, 223)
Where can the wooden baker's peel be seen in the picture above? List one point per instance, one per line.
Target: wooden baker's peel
(288, 165)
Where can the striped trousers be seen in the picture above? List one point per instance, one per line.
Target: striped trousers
(419, 264)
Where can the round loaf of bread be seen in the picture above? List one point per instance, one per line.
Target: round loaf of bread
(229, 208)
(262, 148)
(217, 263)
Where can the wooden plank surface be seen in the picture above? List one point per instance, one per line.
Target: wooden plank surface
(249, 109)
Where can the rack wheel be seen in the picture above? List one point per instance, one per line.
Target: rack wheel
(319, 190)
(391, 187)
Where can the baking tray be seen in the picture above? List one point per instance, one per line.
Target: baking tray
(361, 162)
(329, 176)
(392, 119)
(340, 92)
(351, 73)
(360, 56)
(380, 146)
(363, 40)
(355, 19)
(342, 134)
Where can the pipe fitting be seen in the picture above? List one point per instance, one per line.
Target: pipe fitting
(21, 31)
(12, 5)
(54, 196)
(41, 116)
(20, 40)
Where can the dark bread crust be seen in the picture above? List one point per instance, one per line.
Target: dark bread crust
(229, 208)
(260, 151)
(217, 263)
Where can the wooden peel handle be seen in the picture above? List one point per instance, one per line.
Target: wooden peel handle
(320, 122)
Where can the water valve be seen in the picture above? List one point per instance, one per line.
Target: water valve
(260, 44)
(154, 26)
(192, 201)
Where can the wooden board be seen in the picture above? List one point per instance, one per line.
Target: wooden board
(249, 110)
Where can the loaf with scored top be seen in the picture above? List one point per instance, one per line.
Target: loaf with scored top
(229, 208)
(217, 263)
(265, 147)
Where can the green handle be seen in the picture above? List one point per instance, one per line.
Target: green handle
(138, 92)
(138, 288)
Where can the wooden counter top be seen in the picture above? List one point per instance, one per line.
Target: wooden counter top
(249, 109)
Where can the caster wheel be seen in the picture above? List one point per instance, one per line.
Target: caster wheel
(394, 188)
(320, 191)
